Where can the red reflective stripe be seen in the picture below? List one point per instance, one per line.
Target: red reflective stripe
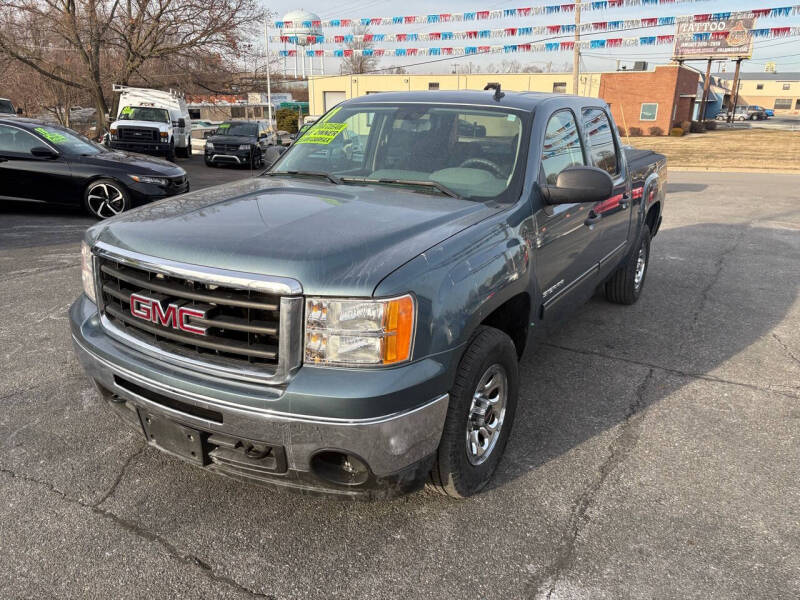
(608, 204)
(637, 193)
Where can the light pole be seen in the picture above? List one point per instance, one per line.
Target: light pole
(269, 86)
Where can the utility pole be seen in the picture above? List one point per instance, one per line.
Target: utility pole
(576, 52)
(269, 85)
(706, 85)
(735, 91)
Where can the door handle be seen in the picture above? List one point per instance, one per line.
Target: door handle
(592, 219)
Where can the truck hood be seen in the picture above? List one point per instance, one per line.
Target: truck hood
(335, 239)
(136, 164)
(133, 123)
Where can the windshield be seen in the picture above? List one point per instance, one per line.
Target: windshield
(144, 113)
(6, 107)
(237, 128)
(68, 141)
(472, 152)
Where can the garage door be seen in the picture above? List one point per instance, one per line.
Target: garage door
(333, 98)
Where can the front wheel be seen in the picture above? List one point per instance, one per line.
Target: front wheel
(171, 152)
(483, 402)
(106, 198)
(626, 284)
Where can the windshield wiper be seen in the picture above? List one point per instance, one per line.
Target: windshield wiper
(433, 184)
(328, 176)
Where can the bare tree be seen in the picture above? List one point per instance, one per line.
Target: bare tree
(113, 40)
(357, 62)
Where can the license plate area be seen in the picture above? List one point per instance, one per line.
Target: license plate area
(173, 438)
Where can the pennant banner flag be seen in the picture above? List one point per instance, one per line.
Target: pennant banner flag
(510, 13)
(649, 40)
(470, 34)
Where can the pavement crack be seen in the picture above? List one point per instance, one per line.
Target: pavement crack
(680, 373)
(113, 488)
(619, 449)
(145, 534)
(786, 349)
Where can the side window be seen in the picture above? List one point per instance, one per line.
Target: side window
(16, 141)
(562, 145)
(602, 150)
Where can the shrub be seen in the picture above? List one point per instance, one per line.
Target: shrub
(621, 131)
(286, 119)
(635, 131)
(697, 127)
(656, 131)
(710, 125)
(686, 126)
(676, 132)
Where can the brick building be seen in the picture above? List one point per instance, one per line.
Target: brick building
(645, 99)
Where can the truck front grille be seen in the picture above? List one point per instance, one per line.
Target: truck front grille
(137, 134)
(226, 147)
(241, 326)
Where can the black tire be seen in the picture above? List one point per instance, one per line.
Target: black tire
(171, 152)
(454, 473)
(209, 163)
(623, 288)
(105, 198)
(188, 153)
(256, 159)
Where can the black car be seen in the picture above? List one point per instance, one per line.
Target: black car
(241, 143)
(40, 162)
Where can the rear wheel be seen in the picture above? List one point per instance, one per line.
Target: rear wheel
(626, 284)
(106, 198)
(483, 402)
(171, 152)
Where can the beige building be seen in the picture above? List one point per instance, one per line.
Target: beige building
(327, 92)
(778, 91)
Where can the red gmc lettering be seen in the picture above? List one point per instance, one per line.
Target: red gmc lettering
(173, 316)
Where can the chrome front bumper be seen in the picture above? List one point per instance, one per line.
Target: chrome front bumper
(396, 447)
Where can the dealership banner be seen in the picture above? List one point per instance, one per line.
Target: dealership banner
(723, 38)
(563, 46)
(525, 12)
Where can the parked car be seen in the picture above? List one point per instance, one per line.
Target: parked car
(352, 321)
(759, 110)
(45, 163)
(7, 109)
(741, 114)
(240, 143)
(152, 122)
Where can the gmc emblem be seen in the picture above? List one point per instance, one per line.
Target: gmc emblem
(171, 315)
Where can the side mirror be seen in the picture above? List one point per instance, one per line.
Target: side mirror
(579, 184)
(181, 123)
(43, 152)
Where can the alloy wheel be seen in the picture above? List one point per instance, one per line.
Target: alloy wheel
(641, 265)
(105, 200)
(486, 414)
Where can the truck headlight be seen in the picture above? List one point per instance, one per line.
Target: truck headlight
(87, 272)
(349, 333)
(209, 145)
(146, 179)
(164, 134)
(244, 147)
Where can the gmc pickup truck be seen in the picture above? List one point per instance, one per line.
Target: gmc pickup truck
(351, 321)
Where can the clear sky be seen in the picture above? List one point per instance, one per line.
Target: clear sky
(785, 52)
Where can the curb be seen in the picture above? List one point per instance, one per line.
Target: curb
(732, 170)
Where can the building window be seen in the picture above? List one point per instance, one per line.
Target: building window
(783, 103)
(797, 105)
(237, 112)
(433, 85)
(759, 86)
(649, 111)
(194, 113)
(560, 87)
(787, 86)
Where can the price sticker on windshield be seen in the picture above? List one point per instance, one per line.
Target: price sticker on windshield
(224, 126)
(126, 111)
(51, 136)
(322, 133)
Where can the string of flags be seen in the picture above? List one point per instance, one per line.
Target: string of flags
(569, 45)
(584, 28)
(505, 13)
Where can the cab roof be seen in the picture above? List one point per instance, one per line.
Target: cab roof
(526, 101)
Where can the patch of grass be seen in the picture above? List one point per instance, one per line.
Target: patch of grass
(728, 149)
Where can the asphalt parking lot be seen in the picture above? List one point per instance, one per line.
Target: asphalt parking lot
(655, 454)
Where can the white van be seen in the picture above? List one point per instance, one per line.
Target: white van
(151, 122)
